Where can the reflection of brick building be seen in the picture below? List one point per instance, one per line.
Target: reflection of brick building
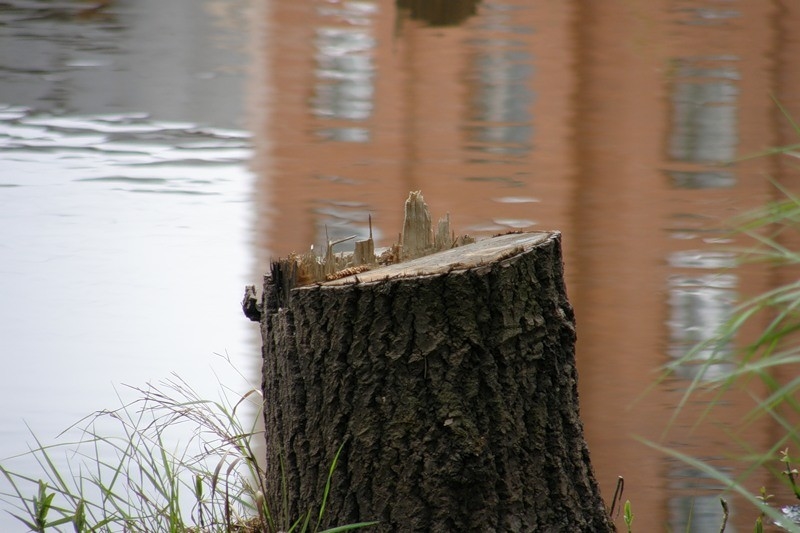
(599, 120)
(363, 108)
(684, 88)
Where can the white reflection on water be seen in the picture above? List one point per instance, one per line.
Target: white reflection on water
(123, 253)
(124, 219)
(702, 259)
(345, 70)
(699, 307)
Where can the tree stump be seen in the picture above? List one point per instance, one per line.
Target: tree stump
(449, 381)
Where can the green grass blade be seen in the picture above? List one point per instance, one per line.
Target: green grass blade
(350, 527)
(327, 490)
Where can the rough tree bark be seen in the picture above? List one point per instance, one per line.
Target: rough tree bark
(449, 380)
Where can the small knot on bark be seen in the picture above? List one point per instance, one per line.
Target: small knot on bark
(250, 304)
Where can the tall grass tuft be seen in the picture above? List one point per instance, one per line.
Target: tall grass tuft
(774, 232)
(778, 308)
(128, 471)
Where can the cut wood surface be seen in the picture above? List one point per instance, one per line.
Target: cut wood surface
(469, 256)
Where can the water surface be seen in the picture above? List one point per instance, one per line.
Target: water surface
(125, 208)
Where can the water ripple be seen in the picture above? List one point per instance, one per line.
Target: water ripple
(166, 157)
